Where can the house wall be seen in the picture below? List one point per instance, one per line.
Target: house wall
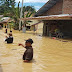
(67, 6)
(39, 28)
(32, 28)
(56, 9)
(65, 27)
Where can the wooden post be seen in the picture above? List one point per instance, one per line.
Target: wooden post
(44, 30)
(21, 13)
(47, 30)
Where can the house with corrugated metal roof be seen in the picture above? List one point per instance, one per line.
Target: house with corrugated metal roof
(60, 11)
(4, 21)
(56, 15)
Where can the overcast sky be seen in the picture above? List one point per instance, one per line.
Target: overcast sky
(36, 3)
(32, 0)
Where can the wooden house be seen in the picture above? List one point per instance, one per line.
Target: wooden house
(55, 14)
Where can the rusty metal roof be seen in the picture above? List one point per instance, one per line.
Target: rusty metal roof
(51, 17)
(46, 7)
(4, 19)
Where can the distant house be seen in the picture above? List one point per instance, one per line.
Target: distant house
(34, 24)
(55, 14)
(4, 21)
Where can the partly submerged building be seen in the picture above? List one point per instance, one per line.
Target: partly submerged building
(4, 21)
(55, 14)
(34, 24)
(62, 9)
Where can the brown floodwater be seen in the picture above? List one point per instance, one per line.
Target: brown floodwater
(50, 55)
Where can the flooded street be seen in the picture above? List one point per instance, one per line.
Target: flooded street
(50, 55)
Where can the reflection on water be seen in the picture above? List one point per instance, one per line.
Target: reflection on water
(49, 55)
(1, 68)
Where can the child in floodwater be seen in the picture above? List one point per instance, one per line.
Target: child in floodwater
(9, 39)
(11, 31)
(0, 27)
(6, 31)
(28, 54)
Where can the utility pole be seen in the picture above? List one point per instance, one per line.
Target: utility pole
(21, 14)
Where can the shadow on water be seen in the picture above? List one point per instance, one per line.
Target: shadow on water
(1, 70)
(36, 34)
(65, 40)
(32, 61)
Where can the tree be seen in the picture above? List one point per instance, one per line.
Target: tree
(30, 11)
(7, 7)
(17, 16)
(2, 7)
(29, 8)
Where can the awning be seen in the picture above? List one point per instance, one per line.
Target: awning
(50, 17)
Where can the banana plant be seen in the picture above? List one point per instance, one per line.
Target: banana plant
(29, 14)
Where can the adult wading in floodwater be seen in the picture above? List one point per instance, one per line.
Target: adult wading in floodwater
(9, 39)
(28, 54)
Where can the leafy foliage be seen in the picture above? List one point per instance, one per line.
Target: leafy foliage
(8, 9)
